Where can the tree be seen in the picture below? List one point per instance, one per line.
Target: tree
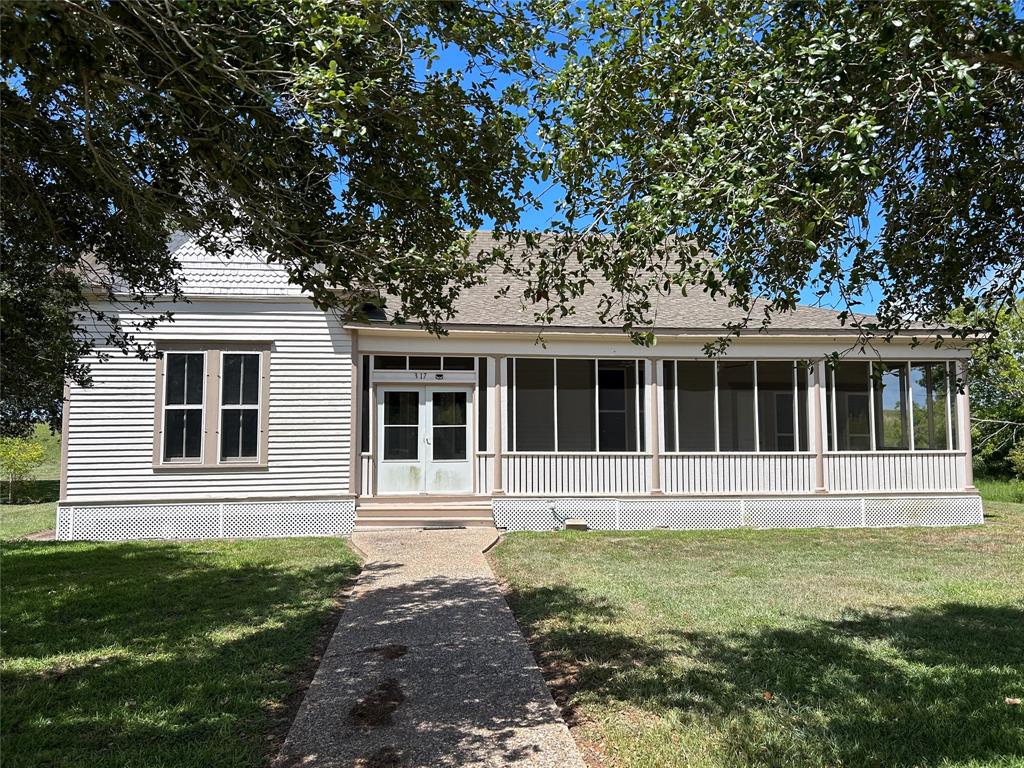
(322, 133)
(754, 148)
(996, 379)
(20, 457)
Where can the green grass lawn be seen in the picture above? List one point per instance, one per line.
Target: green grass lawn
(35, 509)
(156, 653)
(782, 648)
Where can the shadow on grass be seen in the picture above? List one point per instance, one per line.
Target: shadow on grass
(153, 654)
(882, 687)
(30, 492)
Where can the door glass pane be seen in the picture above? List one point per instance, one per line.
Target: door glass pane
(616, 405)
(736, 406)
(576, 416)
(776, 430)
(402, 408)
(401, 443)
(851, 398)
(535, 404)
(929, 383)
(449, 443)
(695, 405)
(449, 408)
(890, 382)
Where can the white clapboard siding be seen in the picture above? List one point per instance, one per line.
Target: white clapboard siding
(710, 473)
(576, 473)
(895, 471)
(110, 424)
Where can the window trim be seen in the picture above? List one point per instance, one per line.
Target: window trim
(258, 407)
(213, 351)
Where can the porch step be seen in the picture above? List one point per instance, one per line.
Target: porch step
(422, 512)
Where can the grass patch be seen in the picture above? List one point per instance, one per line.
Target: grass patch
(1000, 489)
(158, 653)
(782, 648)
(17, 520)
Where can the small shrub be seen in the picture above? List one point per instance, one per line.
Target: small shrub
(1016, 458)
(19, 459)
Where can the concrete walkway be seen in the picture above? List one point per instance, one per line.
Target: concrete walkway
(427, 668)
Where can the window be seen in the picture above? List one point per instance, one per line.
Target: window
(364, 405)
(184, 384)
(891, 390)
(240, 406)
(422, 363)
(401, 425)
(576, 405)
(211, 407)
(449, 426)
(892, 406)
(694, 402)
(736, 406)
(776, 407)
(485, 399)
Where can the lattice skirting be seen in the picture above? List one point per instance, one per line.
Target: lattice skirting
(536, 514)
(207, 520)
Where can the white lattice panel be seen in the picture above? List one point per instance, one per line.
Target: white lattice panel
(929, 511)
(681, 514)
(208, 520)
(819, 512)
(534, 514)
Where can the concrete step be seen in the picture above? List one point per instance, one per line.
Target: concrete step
(384, 523)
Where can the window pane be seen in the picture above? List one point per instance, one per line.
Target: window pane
(184, 378)
(388, 363)
(669, 403)
(928, 396)
(239, 433)
(890, 384)
(954, 391)
(802, 372)
(401, 443)
(642, 400)
(183, 433)
(852, 404)
(535, 404)
(458, 363)
(424, 363)
(696, 405)
(402, 408)
(576, 393)
(616, 405)
(449, 408)
(485, 398)
(240, 378)
(364, 405)
(776, 428)
(449, 443)
(736, 406)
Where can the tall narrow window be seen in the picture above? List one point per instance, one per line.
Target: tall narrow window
(616, 405)
(736, 406)
(929, 384)
(240, 406)
(669, 404)
(803, 443)
(851, 400)
(954, 419)
(576, 418)
(184, 375)
(695, 405)
(364, 405)
(534, 404)
(776, 410)
(484, 399)
(890, 383)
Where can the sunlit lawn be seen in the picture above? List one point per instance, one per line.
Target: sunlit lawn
(156, 653)
(782, 648)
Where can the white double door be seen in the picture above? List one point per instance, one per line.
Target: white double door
(424, 439)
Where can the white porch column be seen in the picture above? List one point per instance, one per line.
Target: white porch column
(965, 428)
(655, 427)
(497, 486)
(819, 413)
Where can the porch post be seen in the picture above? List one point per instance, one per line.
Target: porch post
(817, 397)
(655, 428)
(965, 429)
(356, 404)
(497, 488)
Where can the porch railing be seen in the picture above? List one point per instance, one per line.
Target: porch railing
(711, 473)
(576, 473)
(895, 471)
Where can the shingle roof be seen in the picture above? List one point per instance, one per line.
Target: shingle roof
(248, 274)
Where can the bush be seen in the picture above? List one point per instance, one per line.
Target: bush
(1016, 458)
(19, 459)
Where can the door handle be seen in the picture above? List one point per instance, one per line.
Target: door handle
(426, 440)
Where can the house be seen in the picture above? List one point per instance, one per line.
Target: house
(264, 416)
